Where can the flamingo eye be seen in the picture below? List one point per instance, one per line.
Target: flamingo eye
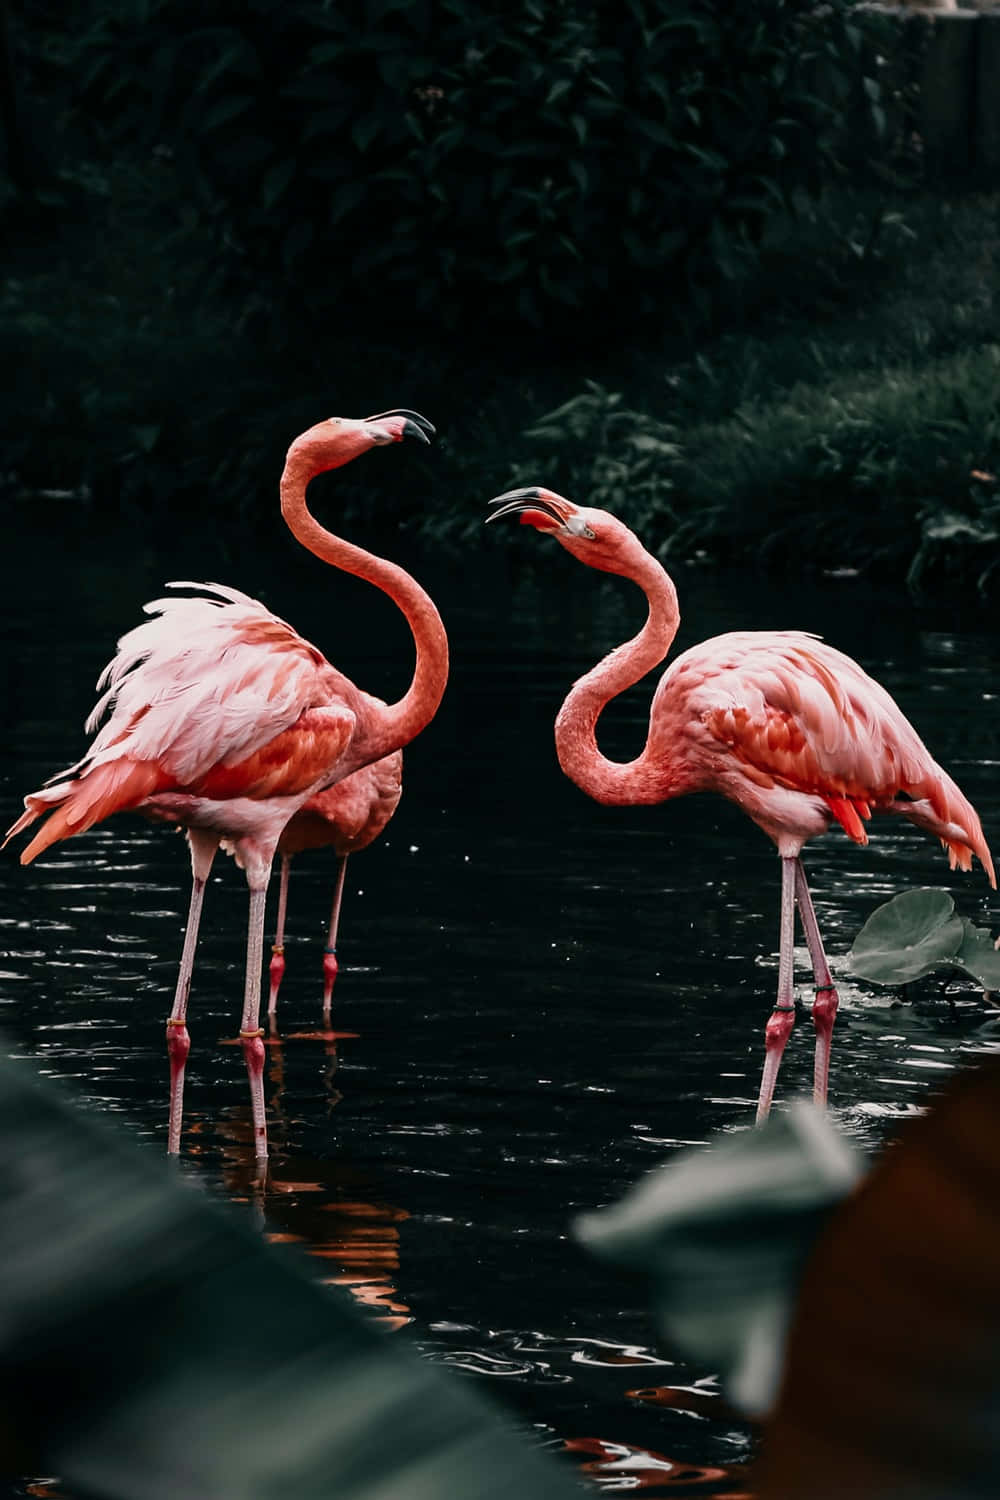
(577, 526)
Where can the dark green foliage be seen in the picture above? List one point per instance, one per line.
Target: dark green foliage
(175, 317)
(458, 159)
(860, 430)
(598, 447)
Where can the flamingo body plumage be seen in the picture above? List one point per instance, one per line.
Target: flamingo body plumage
(798, 735)
(346, 818)
(220, 718)
(784, 725)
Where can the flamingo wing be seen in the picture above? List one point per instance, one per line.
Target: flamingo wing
(207, 681)
(212, 695)
(797, 713)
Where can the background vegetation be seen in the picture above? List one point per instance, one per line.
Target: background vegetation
(631, 249)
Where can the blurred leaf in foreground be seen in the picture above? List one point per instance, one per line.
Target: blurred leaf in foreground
(891, 1388)
(154, 1347)
(723, 1232)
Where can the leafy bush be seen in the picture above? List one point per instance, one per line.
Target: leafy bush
(454, 157)
(605, 453)
(897, 441)
(893, 466)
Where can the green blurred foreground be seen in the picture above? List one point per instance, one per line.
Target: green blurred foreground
(153, 1346)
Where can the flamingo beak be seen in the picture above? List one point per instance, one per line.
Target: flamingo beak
(540, 508)
(415, 425)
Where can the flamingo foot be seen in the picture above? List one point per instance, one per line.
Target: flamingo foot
(824, 1014)
(776, 1034)
(178, 1047)
(330, 971)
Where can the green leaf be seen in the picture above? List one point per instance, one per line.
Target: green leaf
(226, 110)
(364, 131)
(910, 935)
(276, 180)
(978, 957)
(132, 1307)
(723, 1233)
(951, 526)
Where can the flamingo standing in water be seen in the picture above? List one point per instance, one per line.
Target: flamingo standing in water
(347, 817)
(785, 726)
(221, 719)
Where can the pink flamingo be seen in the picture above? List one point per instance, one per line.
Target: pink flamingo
(347, 817)
(224, 721)
(791, 730)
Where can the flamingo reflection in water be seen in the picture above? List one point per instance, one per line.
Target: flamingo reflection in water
(347, 818)
(223, 720)
(328, 1208)
(788, 728)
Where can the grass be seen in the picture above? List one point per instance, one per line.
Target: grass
(852, 423)
(838, 408)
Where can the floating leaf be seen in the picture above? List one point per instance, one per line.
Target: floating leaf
(910, 935)
(978, 957)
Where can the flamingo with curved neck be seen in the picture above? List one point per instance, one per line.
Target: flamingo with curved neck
(221, 719)
(785, 726)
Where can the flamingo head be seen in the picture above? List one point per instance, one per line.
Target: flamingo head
(596, 537)
(339, 439)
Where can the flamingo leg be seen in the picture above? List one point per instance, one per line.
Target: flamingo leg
(330, 953)
(203, 849)
(827, 1000)
(251, 1033)
(779, 1027)
(277, 965)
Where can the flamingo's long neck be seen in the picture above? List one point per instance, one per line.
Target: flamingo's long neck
(395, 724)
(648, 778)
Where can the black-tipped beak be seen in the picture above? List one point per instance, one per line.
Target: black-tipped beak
(514, 502)
(416, 426)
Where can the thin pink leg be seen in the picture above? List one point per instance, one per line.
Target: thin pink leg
(203, 848)
(277, 966)
(779, 1027)
(251, 1033)
(330, 953)
(827, 1000)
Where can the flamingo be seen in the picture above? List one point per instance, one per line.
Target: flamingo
(223, 720)
(788, 728)
(348, 816)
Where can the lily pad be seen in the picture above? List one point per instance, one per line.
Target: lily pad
(978, 957)
(915, 932)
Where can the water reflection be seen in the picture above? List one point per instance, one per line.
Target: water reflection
(617, 1466)
(550, 997)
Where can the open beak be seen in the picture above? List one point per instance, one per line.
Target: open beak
(536, 507)
(416, 426)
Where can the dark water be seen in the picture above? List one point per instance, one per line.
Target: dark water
(550, 997)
